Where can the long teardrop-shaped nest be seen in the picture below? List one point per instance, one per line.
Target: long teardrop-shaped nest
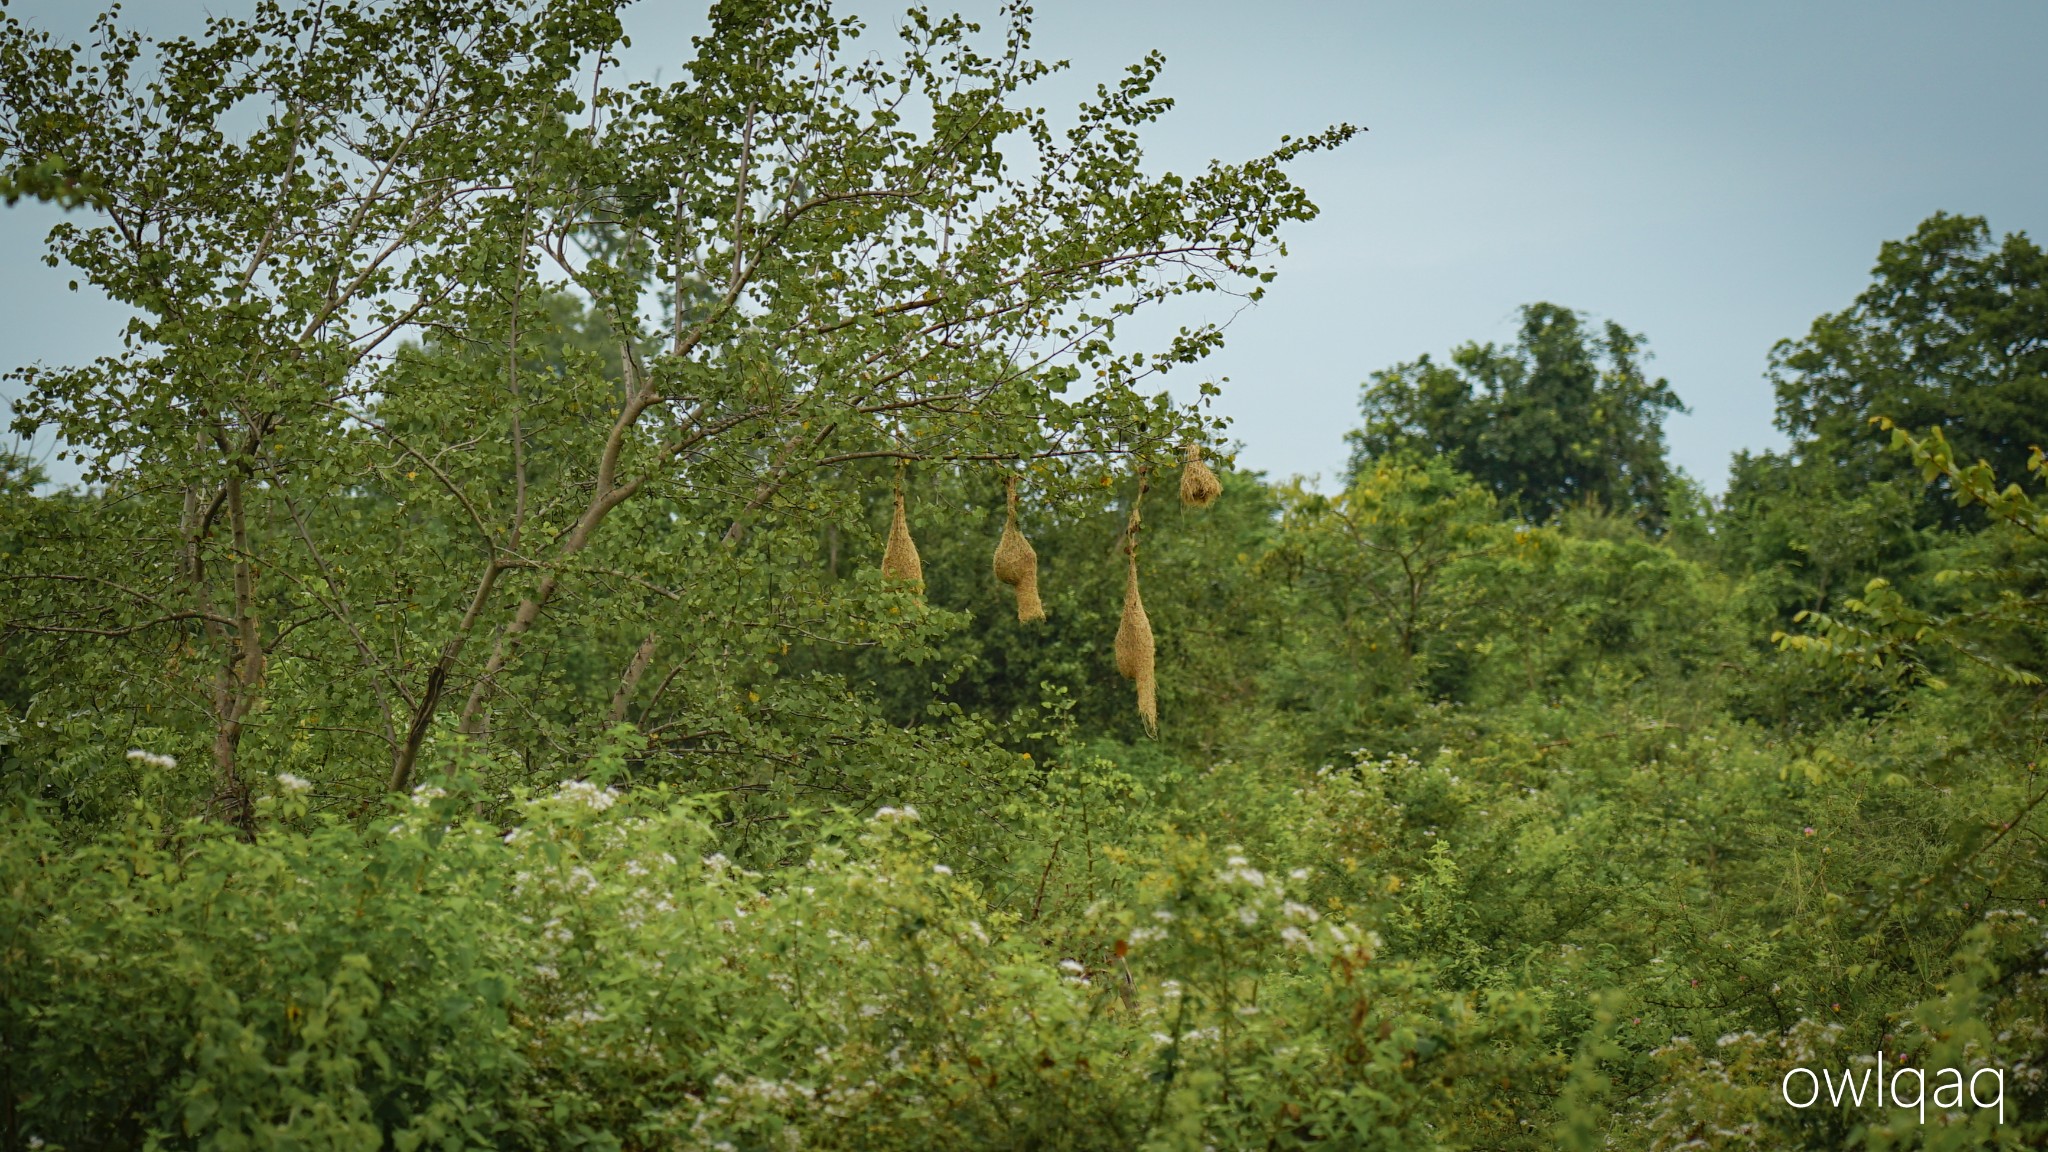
(1134, 657)
(899, 557)
(1134, 653)
(1199, 487)
(1016, 564)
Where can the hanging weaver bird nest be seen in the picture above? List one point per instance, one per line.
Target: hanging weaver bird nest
(1017, 565)
(899, 558)
(1199, 487)
(1134, 657)
(1134, 651)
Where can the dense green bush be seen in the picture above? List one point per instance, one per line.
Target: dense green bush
(598, 975)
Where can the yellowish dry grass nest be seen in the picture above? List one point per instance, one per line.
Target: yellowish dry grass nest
(1134, 657)
(1199, 487)
(899, 557)
(1016, 564)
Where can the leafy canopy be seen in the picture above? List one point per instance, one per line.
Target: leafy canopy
(1561, 418)
(474, 394)
(1952, 331)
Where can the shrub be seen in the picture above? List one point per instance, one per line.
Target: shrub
(598, 976)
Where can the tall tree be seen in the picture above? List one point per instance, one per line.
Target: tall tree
(1952, 332)
(822, 270)
(1563, 417)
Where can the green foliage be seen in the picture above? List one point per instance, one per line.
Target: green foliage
(1805, 562)
(2001, 595)
(1214, 616)
(1383, 577)
(486, 426)
(1386, 553)
(599, 976)
(675, 335)
(1950, 333)
(1563, 418)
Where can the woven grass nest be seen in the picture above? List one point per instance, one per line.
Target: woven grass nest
(1016, 564)
(1134, 656)
(899, 557)
(1199, 487)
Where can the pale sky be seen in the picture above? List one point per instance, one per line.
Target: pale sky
(1712, 175)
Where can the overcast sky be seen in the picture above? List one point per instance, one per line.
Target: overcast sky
(1712, 175)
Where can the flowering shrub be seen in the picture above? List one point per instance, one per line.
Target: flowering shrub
(597, 975)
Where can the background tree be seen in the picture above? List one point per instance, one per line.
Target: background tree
(1563, 417)
(1951, 332)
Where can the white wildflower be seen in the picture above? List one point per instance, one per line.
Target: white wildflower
(153, 759)
(293, 783)
(587, 794)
